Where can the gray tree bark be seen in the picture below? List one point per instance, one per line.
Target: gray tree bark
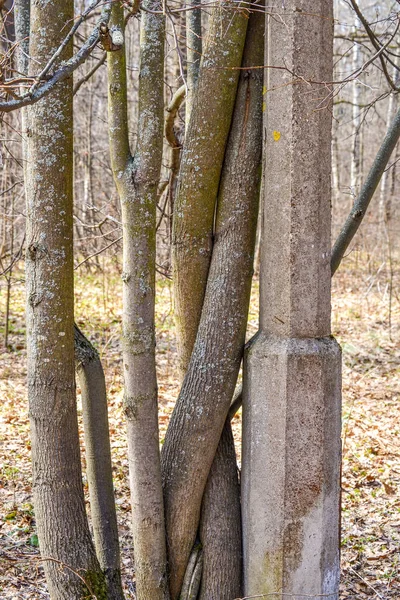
(207, 390)
(194, 46)
(220, 525)
(98, 462)
(45, 84)
(200, 172)
(137, 179)
(71, 567)
(220, 529)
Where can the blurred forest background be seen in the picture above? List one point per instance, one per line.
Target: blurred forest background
(366, 303)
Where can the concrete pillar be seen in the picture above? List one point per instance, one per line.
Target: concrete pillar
(292, 380)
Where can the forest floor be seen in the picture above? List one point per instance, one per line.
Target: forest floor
(369, 331)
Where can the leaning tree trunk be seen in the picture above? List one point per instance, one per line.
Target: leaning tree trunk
(137, 179)
(67, 550)
(220, 526)
(91, 379)
(192, 248)
(220, 530)
(367, 191)
(202, 406)
(200, 171)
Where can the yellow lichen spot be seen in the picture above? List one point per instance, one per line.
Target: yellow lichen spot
(264, 107)
(277, 135)
(264, 90)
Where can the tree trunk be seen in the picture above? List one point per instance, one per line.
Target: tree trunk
(207, 390)
(137, 181)
(22, 26)
(194, 48)
(220, 529)
(98, 462)
(220, 525)
(200, 172)
(368, 188)
(67, 550)
(356, 152)
(385, 192)
(22, 16)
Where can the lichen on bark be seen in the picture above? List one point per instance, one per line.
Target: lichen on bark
(200, 170)
(57, 477)
(207, 390)
(136, 177)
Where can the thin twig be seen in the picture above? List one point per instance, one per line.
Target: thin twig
(360, 206)
(63, 72)
(63, 45)
(90, 73)
(12, 187)
(366, 583)
(375, 42)
(98, 252)
(65, 566)
(178, 50)
(16, 258)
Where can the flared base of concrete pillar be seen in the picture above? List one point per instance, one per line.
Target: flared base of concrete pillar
(291, 468)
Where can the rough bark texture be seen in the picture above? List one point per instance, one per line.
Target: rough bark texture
(22, 25)
(194, 45)
(45, 85)
(137, 180)
(98, 462)
(207, 390)
(200, 172)
(220, 530)
(220, 527)
(63, 531)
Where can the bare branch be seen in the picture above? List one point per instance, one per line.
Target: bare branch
(64, 71)
(90, 73)
(376, 43)
(62, 46)
(361, 204)
(98, 252)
